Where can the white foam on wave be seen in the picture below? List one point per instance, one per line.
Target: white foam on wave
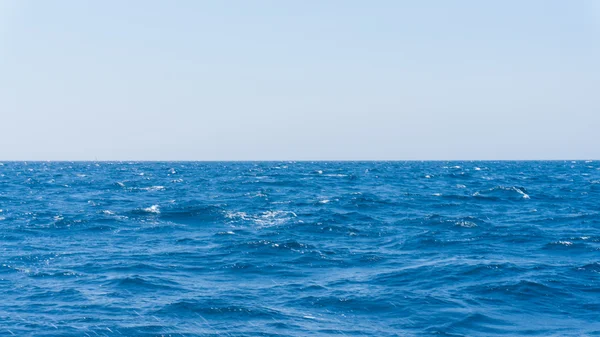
(172, 171)
(280, 202)
(324, 201)
(107, 212)
(275, 214)
(565, 243)
(259, 195)
(153, 188)
(466, 224)
(525, 195)
(461, 186)
(236, 215)
(437, 194)
(152, 209)
(264, 219)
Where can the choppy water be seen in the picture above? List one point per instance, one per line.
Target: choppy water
(300, 249)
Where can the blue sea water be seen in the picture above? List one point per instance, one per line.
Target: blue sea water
(300, 248)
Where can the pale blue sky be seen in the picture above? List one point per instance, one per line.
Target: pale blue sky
(256, 80)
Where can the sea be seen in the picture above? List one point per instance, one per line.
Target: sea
(399, 248)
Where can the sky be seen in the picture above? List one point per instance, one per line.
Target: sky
(299, 80)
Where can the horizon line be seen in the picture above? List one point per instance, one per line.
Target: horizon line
(283, 160)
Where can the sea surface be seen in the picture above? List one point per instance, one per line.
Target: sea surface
(300, 248)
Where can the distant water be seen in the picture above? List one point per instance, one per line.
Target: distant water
(300, 249)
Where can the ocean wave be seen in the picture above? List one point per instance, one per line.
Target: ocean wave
(272, 248)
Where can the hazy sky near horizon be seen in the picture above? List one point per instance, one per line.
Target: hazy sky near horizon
(299, 80)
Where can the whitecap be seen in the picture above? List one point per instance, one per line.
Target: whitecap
(466, 224)
(273, 218)
(428, 176)
(525, 195)
(107, 212)
(153, 188)
(437, 194)
(478, 169)
(152, 209)
(264, 219)
(324, 201)
(234, 215)
(320, 172)
(273, 214)
(460, 186)
(172, 171)
(565, 243)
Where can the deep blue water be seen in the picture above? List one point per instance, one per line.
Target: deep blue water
(300, 248)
